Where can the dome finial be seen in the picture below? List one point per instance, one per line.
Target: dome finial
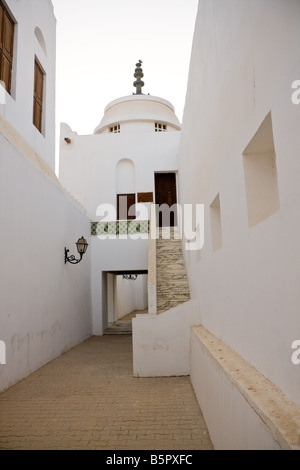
(139, 75)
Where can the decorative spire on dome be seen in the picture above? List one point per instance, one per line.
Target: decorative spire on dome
(139, 75)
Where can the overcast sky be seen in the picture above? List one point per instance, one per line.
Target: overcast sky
(99, 43)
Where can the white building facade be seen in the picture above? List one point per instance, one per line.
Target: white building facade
(120, 166)
(239, 156)
(45, 303)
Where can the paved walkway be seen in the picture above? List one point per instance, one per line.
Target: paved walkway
(89, 399)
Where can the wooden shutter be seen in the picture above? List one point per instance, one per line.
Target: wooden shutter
(145, 197)
(124, 202)
(38, 96)
(6, 47)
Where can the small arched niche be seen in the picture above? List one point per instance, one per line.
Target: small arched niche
(40, 38)
(125, 176)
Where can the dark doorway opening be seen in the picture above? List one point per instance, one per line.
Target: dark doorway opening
(165, 195)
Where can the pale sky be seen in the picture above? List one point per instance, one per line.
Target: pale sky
(99, 43)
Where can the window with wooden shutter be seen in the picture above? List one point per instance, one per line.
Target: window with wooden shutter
(6, 46)
(38, 96)
(124, 203)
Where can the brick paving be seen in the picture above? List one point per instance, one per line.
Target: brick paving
(88, 399)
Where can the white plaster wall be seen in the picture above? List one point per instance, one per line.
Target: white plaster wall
(161, 343)
(245, 57)
(108, 256)
(45, 305)
(141, 294)
(124, 295)
(88, 164)
(18, 110)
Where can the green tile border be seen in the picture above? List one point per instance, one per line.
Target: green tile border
(120, 227)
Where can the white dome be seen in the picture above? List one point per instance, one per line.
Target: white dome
(138, 108)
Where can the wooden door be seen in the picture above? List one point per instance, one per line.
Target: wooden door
(165, 193)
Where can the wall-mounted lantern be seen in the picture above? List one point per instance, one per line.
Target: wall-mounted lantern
(81, 248)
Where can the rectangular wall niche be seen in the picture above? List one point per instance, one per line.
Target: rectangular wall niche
(261, 174)
(215, 221)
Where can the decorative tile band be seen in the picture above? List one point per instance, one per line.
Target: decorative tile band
(120, 227)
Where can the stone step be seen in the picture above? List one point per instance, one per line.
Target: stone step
(119, 328)
(167, 245)
(173, 269)
(165, 285)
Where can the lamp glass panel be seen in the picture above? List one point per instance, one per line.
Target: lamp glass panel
(82, 245)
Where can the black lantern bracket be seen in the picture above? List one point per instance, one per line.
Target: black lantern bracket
(81, 248)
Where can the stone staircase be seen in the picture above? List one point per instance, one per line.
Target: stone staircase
(172, 283)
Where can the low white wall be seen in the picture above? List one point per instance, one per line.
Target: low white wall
(242, 409)
(45, 304)
(161, 343)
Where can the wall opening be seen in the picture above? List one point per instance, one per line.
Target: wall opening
(260, 172)
(130, 296)
(216, 225)
(123, 300)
